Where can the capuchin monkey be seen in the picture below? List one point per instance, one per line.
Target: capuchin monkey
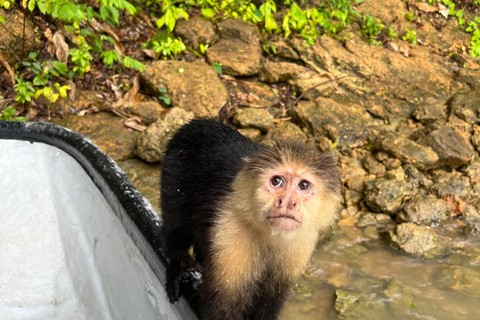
(253, 215)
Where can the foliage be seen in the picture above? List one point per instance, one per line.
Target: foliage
(473, 28)
(7, 115)
(171, 11)
(25, 90)
(410, 16)
(411, 36)
(166, 44)
(165, 100)
(371, 28)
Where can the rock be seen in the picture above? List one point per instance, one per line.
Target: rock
(392, 163)
(12, 39)
(238, 50)
(145, 177)
(396, 174)
(152, 142)
(251, 133)
(476, 139)
(470, 77)
(345, 123)
(405, 150)
(429, 113)
(462, 279)
(255, 118)
(451, 184)
(195, 31)
(473, 228)
(413, 239)
(279, 71)
(83, 100)
(286, 131)
(467, 106)
(386, 196)
(253, 94)
(352, 174)
(369, 219)
(193, 86)
(281, 48)
(106, 130)
(452, 149)
(312, 85)
(149, 111)
(373, 166)
(473, 173)
(352, 197)
(425, 211)
(471, 213)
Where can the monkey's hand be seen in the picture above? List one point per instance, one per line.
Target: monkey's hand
(178, 267)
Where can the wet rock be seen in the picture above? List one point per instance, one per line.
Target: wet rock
(396, 174)
(467, 106)
(373, 166)
(152, 142)
(255, 118)
(416, 177)
(356, 304)
(425, 211)
(476, 139)
(413, 239)
(452, 149)
(392, 163)
(473, 228)
(149, 111)
(251, 133)
(464, 256)
(429, 113)
(238, 49)
(352, 197)
(351, 173)
(14, 22)
(145, 177)
(193, 86)
(106, 130)
(462, 279)
(195, 31)
(345, 123)
(471, 213)
(279, 71)
(404, 149)
(473, 173)
(386, 196)
(371, 219)
(287, 131)
(451, 184)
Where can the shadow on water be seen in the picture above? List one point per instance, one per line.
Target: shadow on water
(354, 276)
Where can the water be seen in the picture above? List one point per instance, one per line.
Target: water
(374, 281)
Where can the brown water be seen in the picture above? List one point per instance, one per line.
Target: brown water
(378, 282)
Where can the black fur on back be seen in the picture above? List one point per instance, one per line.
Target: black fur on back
(199, 166)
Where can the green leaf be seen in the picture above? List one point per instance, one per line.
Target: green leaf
(60, 67)
(2, 19)
(31, 5)
(217, 67)
(208, 13)
(8, 113)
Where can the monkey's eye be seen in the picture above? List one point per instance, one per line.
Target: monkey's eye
(304, 185)
(277, 181)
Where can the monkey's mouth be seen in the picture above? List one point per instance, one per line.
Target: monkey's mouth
(285, 222)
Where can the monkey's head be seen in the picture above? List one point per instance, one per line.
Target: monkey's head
(290, 187)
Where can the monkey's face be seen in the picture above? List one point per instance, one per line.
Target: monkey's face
(285, 194)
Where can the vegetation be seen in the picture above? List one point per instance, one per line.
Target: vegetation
(91, 37)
